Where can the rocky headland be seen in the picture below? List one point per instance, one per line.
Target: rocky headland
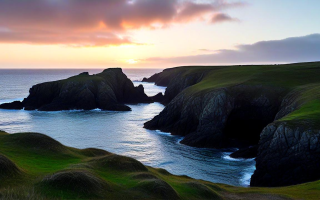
(269, 112)
(109, 90)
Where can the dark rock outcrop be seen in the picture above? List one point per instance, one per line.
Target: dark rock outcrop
(163, 78)
(16, 105)
(287, 155)
(158, 97)
(176, 81)
(152, 79)
(109, 90)
(249, 152)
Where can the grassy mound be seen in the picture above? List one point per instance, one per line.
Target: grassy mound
(96, 174)
(8, 168)
(201, 191)
(3, 133)
(163, 171)
(117, 163)
(92, 152)
(76, 181)
(157, 188)
(36, 141)
(144, 176)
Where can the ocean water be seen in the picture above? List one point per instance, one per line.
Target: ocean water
(118, 132)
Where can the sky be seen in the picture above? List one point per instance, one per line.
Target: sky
(157, 33)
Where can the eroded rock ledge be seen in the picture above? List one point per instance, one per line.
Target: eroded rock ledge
(109, 90)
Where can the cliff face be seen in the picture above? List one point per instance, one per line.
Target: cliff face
(287, 155)
(275, 109)
(109, 90)
(289, 148)
(226, 117)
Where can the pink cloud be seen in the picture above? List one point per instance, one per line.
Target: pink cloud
(221, 17)
(96, 22)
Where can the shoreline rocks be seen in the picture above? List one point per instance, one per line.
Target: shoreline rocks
(246, 153)
(16, 105)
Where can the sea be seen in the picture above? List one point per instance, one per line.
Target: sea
(118, 132)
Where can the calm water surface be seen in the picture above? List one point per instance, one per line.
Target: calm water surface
(118, 132)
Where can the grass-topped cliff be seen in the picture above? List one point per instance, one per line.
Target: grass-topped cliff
(34, 166)
(276, 107)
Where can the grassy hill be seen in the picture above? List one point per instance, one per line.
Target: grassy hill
(302, 78)
(34, 166)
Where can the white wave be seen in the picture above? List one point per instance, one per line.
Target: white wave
(61, 111)
(75, 110)
(163, 133)
(179, 140)
(78, 110)
(226, 156)
(246, 178)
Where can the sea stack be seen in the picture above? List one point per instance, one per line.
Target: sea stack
(109, 90)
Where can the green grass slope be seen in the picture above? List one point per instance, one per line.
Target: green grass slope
(34, 166)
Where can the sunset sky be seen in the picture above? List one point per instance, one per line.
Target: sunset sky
(156, 33)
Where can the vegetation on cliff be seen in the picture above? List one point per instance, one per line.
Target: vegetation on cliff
(34, 166)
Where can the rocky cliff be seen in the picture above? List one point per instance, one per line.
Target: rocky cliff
(178, 79)
(226, 117)
(289, 148)
(274, 107)
(109, 90)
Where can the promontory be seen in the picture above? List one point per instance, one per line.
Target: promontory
(271, 112)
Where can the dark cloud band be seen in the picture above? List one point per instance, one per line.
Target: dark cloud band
(296, 49)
